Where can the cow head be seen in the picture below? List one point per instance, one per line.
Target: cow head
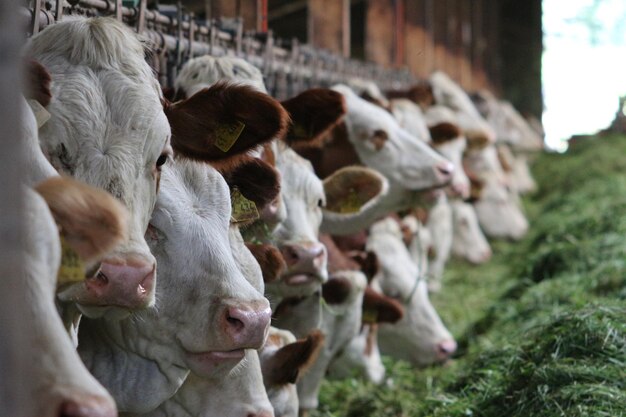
(420, 337)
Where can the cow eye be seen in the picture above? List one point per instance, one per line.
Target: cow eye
(162, 160)
(320, 203)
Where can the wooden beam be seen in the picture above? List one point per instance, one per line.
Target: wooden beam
(329, 25)
(379, 32)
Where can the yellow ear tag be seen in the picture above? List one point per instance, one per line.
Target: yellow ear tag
(72, 269)
(41, 114)
(243, 210)
(351, 204)
(227, 135)
(369, 316)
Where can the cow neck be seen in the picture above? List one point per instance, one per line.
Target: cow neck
(336, 152)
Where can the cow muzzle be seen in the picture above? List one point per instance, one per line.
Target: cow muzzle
(306, 262)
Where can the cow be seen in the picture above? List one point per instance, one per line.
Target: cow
(419, 337)
(468, 242)
(109, 127)
(208, 312)
(370, 136)
(69, 228)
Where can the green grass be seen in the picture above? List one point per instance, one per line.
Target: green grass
(542, 327)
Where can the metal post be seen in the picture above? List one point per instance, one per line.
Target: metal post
(15, 368)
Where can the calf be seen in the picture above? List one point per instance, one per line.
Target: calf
(419, 337)
(208, 312)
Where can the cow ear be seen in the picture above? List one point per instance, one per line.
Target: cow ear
(444, 132)
(290, 361)
(220, 123)
(378, 308)
(368, 261)
(270, 259)
(38, 81)
(255, 179)
(336, 290)
(313, 114)
(90, 220)
(352, 190)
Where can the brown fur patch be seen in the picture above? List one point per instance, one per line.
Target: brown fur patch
(379, 138)
(38, 83)
(506, 159)
(477, 140)
(333, 153)
(421, 94)
(337, 260)
(267, 154)
(313, 114)
(90, 220)
(368, 262)
(444, 132)
(196, 121)
(270, 259)
(169, 93)
(386, 309)
(354, 242)
(376, 101)
(336, 290)
(290, 361)
(257, 180)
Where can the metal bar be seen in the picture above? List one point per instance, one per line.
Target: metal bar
(118, 9)
(35, 22)
(15, 365)
(141, 18)
(58, 14)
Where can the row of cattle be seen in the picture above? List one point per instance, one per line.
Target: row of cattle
(210, 251)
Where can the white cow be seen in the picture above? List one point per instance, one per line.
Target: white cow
(419, 337)
(91, 223)
(207, 313)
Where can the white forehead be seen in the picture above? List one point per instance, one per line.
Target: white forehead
(363, 114)
(204, 71)
(437, 114)
(194, 200)
(297, 176)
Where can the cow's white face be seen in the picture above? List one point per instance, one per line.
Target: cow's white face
(419, 337)
(109, 130)
(202, 281)
(498, 213)
(407, 162)
(297, 235)
(469, 242)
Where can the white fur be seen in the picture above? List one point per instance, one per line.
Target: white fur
(410, 117)
(200, 273)
(469, 242)
(415, 337)
(355, 358)
(340, 324)
(59, 375)
(107, 125)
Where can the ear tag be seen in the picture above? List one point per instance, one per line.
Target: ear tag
(243, 210)
(41, 114)
(227, 135)
(351, 204)
(299, 131)
(369, 316)
(72, 268)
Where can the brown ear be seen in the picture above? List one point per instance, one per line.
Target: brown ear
(256, 180)
(422, 94)
(169, 93)
(477, 140)
(38, 83)
(270, 259)
(444, 132)
(313, 114)
(293, 359)
(336, 290)
(354, 242)
(90, 220)
(378, 308)
(220, 123)
(368, 262)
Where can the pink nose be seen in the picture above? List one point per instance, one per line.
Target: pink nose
(445, 349)
(89, 406)
(461, 190)
(445, 170)
(247, 326)
(486, 255)
(123, 283)
(305, 256)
